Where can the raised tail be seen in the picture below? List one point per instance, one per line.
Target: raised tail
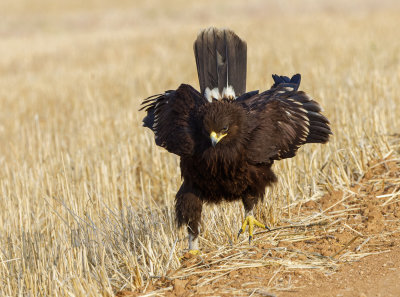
(221, 59)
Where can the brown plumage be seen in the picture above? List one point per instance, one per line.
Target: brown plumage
(227, 147)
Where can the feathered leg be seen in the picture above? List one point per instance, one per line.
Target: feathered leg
(249, 203)
(188, 207)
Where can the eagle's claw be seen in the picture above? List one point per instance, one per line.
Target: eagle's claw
(195, 252)
(190, 254)
(251, 221)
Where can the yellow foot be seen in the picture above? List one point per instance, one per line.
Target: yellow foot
(194, 252)
(190, 254)
(251, 221)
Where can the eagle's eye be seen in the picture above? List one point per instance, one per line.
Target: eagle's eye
(224, 129)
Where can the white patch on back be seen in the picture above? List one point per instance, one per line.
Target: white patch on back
(229, 93)
(207, 94)
(212, 94)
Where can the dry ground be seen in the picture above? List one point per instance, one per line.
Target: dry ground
(86, 198)
(349, 248)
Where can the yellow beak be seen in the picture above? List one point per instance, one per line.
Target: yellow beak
(216, 137)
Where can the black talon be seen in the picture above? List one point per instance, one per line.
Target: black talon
(240, 232)
(266, 227)
(250, 237)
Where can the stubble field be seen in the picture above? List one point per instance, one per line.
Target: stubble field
(86, 198)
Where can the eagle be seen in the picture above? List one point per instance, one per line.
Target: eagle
(228, 139)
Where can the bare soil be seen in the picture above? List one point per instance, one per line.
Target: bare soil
(374, 275)
(354, 252)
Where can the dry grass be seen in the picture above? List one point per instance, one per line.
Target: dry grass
(86, 198)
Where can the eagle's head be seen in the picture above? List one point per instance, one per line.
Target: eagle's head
(224, 123)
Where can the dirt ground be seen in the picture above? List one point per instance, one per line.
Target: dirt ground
(355, 252)
(375, 275)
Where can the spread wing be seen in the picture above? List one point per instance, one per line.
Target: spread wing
(172, 118)
(281, 120)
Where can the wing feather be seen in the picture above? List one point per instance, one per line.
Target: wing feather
(171, 116)
(282, 119)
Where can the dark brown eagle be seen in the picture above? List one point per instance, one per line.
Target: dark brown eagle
(227, 139)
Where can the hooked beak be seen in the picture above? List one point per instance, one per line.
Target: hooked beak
(215, 138)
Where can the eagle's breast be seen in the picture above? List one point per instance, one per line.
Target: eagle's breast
(217, 176)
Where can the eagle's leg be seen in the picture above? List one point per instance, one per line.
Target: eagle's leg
(249, 203)
(193, 242)
(188, 207)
